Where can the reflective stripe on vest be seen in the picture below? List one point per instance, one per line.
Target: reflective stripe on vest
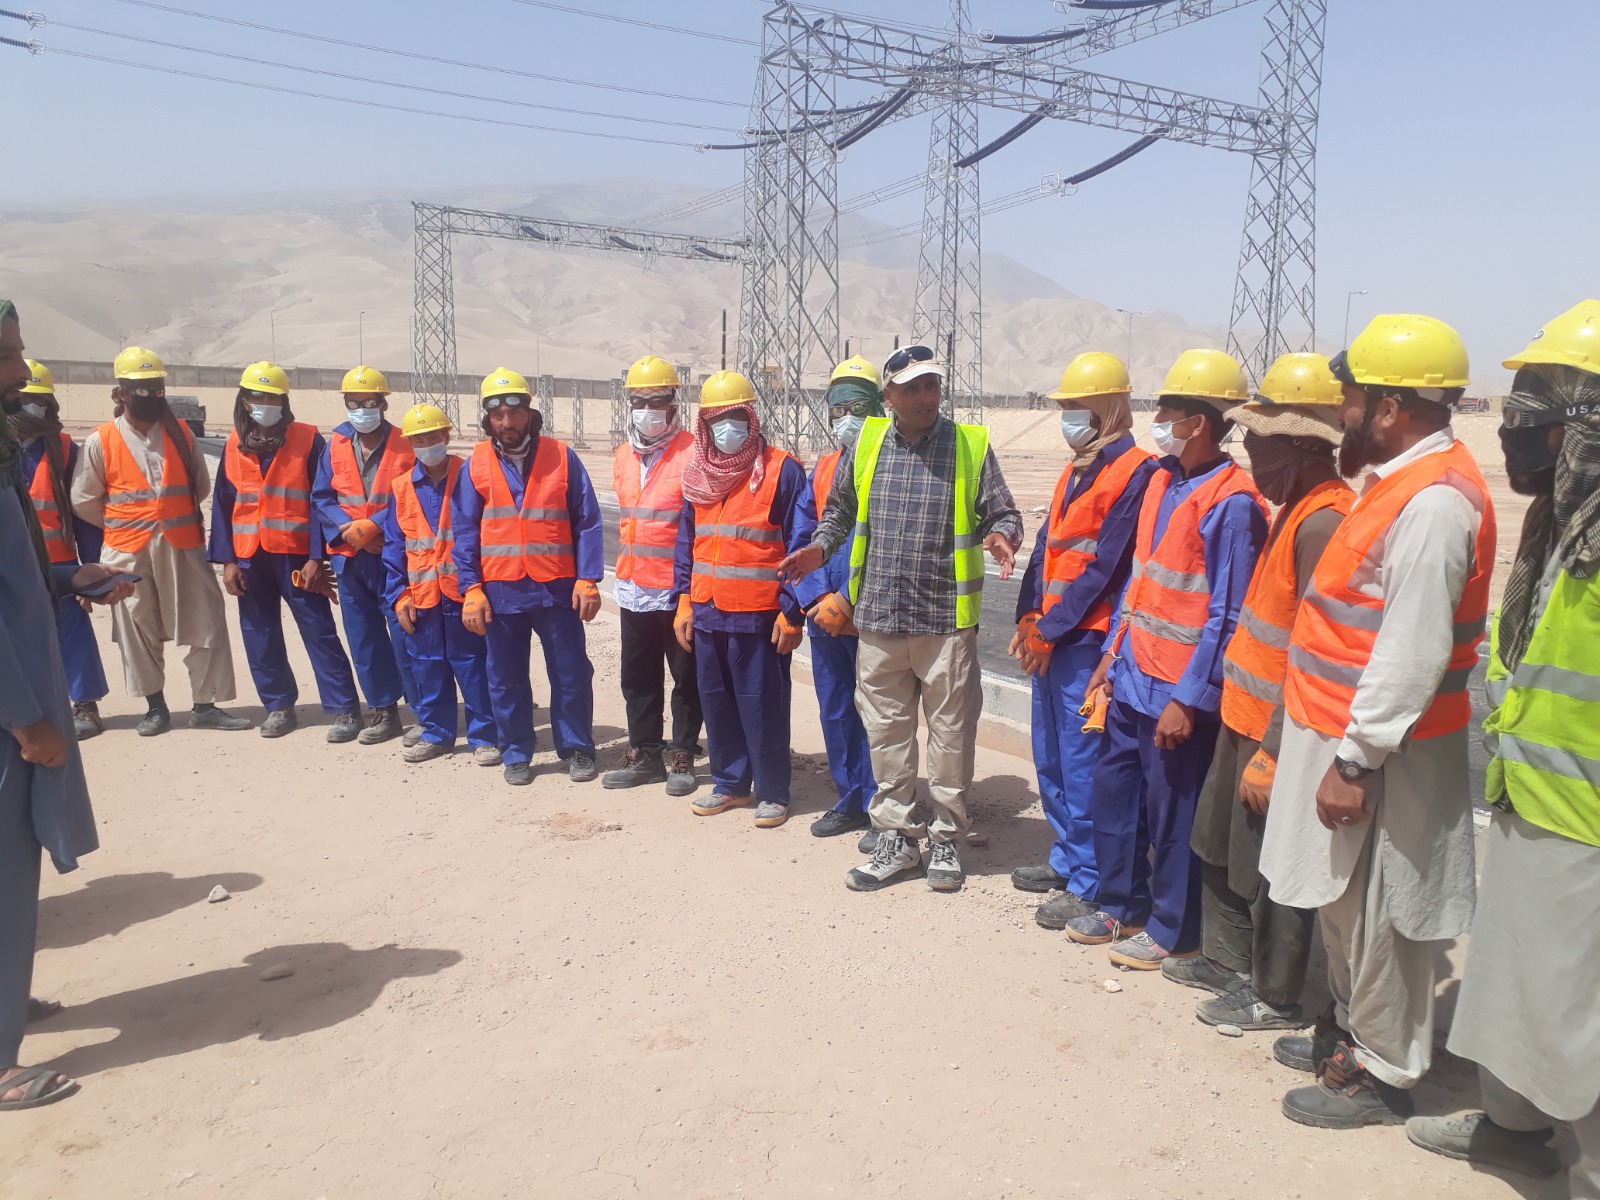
(1072, 544)
(349, 490)
(272, 514)
(533, 541)
(647, 526)
(430, 553)
(1545, 733)
(134, 509)
(737, 548)
(972, 447)
(1168, 600)
(59, 539)
(1336, 626)
(1258, 653)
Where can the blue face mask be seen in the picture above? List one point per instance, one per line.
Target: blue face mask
(1077, 426)
(432, 456)
(365, 420)
(730, 434)
(847, 429)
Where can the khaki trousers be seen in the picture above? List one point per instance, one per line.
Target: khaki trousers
(1382, 982)
(894, 672)
(178, 599)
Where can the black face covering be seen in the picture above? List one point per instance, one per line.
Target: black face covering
(1530, 462)
(146, 409)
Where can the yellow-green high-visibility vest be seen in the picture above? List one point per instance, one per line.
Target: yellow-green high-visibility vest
(1545, 730)
(972, 447)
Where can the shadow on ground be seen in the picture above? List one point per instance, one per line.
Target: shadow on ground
(114, 903)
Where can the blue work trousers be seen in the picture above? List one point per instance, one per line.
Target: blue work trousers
(1144, 801)
(19, 895)
(833, 670)
(1064, 758)
(377, 643)
(446, 656)
(80, 652)
(567, 668)
(267, 586)
(744, 694)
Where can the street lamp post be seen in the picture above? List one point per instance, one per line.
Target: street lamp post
(1131, 313)
(1349, 296)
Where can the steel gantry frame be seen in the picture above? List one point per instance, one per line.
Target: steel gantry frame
(433, 322)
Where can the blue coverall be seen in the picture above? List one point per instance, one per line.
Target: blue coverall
(1144, 798)
(267, 586)
(833, 664)
(80, 651)
(444, 654)
(377, 643)
(524, 607)
(1063, 755)
(744, 682)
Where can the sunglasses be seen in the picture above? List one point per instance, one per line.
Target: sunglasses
(860, 408)
(662, 403)
(144, 393)
(1339, 364)
(513, 400)
(905, 356)
(351, 403)
(263, 397)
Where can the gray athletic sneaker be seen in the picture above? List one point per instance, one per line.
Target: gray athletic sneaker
(944, 867)
(1473, 1137)
(895, 855)
(1242, 1007)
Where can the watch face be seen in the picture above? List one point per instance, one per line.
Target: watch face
(1352, 772)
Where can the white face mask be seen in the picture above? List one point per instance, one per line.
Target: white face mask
(652, 422)
(1161, 431)
(266, 415)
(365, 420)
(432, 456)
(1077, 426)
(730, 435)
(847, 429)
(34, 410)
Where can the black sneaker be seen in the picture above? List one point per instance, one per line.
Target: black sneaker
(346, 727)
(1057, 911)
(581, 767)
(1347, 1096)
(281, 722)
(833, 823)
(638, 767)
(157, 720)
(1198, 971)
(382, 724)
(209, 716)
(1305, 1052)
(944, 867)
(1037, 879)
(680, 773)
(86, 720)
(1242, 1007)
(519, 774)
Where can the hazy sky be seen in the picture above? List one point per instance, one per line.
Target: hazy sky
(1459, 164)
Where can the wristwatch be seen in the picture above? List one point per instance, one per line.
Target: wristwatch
(1351, 772)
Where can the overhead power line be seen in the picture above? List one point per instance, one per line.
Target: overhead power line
(600, 16)
(391, 83)
(431, 58)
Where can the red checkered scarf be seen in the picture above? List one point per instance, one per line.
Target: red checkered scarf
(710, 475)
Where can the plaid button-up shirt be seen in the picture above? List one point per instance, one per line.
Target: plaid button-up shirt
(909, 583)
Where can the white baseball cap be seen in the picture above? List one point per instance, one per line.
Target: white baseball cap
(908, 362)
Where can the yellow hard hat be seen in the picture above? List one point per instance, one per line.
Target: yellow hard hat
(1405, 350)
(1094, 373)
(652, 372)
(856, 367)
(138, 363)
(265, 377)
(1570, 340)
(39, 381)
(725, 388)
(424, 418)
(503, 382)
(1299, 379)
(364, 381)
(1207, 375)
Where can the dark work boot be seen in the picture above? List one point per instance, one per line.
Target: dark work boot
(382, 724)
(1304, 1052)
(680, 773)
(1037, 879)
(86, 719)
(1347, 1096)
(209, 716)
(638, 767)
(832, 823)
(346, 727)
(157, 720)
(1055, 912)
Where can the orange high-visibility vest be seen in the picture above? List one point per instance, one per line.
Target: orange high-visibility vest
(1337, 626)
(737, 548)
(58, 536)
(1169, 596)
(272, 514)
(348, 489)
(822, 479)
(534, 541)
(1073, 541)
(1258, 654)
(430, 552)
(134, 509)
(648, 529)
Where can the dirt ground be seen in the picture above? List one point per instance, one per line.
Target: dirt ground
(568, 992)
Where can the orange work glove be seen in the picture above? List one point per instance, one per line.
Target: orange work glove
(475, 610)
(835, 616)
(1094, 708)
(1255, 785)
(363, 535)
(683, 624)
(585, 599)
(786, 634)
(406, 612)
(323, 585)
(1031, 651)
